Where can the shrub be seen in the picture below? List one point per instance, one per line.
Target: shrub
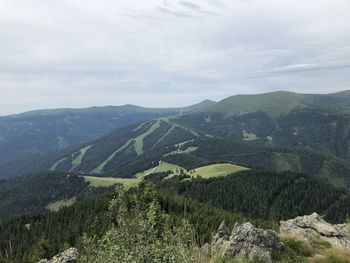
(141, 232)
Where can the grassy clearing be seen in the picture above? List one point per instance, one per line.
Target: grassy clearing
(77, 161)
(55, 206)
(188, 150)
(139, 139)
(162, 167)
(56, 164)
(216, 170)
(109, 181)
(138, 144)
(101, 166)
(209, 171)
(131, 182)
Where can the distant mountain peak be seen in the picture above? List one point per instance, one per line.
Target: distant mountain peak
(200, 106)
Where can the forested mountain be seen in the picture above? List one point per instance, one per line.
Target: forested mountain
(45, 131)
(305, 133)
(128, 150)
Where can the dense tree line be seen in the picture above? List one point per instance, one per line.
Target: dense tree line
(30, 238)
(260, 197)
(262, 194)
(31, 194)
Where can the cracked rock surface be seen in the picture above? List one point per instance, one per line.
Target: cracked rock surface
(304, 227)
(246, 241)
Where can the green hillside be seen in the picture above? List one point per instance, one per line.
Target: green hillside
(125, 146)
(274, 103)
(45, 132)
(307, 140)
(277, 103)
(216, 170)
(208, 171)
(110, 181)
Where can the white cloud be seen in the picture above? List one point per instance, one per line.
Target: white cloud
(156, 52)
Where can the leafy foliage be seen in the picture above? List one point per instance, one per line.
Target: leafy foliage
(140, 233)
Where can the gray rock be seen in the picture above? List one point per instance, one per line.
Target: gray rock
(247, 241)
(304, 227)
(68, 256)
(221, 236)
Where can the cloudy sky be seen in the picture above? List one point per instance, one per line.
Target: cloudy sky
(77, 53)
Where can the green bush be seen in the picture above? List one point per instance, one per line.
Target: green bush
(141, 232)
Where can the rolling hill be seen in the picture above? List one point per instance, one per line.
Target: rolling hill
(274, 104)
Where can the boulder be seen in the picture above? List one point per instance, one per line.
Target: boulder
(68, 256)
(246, 241)
(220, 237)
(304, 227)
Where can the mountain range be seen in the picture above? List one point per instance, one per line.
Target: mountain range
(280, 131)
(262, 158)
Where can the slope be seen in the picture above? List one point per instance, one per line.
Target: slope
(274, 104)
(29, 140)
(45, 131)
(36, 193)
(142, 143)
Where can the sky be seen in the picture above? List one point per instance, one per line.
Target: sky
(166, 53)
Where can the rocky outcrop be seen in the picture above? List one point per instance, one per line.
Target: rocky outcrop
(305, 227)
(246, 241)
(68, 256)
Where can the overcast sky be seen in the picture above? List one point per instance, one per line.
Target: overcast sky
(161, 53)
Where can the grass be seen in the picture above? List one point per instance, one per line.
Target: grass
(209, 171)
(109, 181)
(139, 139)
(333, 255)
(55, 165)
(101, 166)
(274, 104)
(216, 170)
(162, 167)
(317, 241)
(77, 161)
(55, 206)
(96, 181)
(138, 144)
